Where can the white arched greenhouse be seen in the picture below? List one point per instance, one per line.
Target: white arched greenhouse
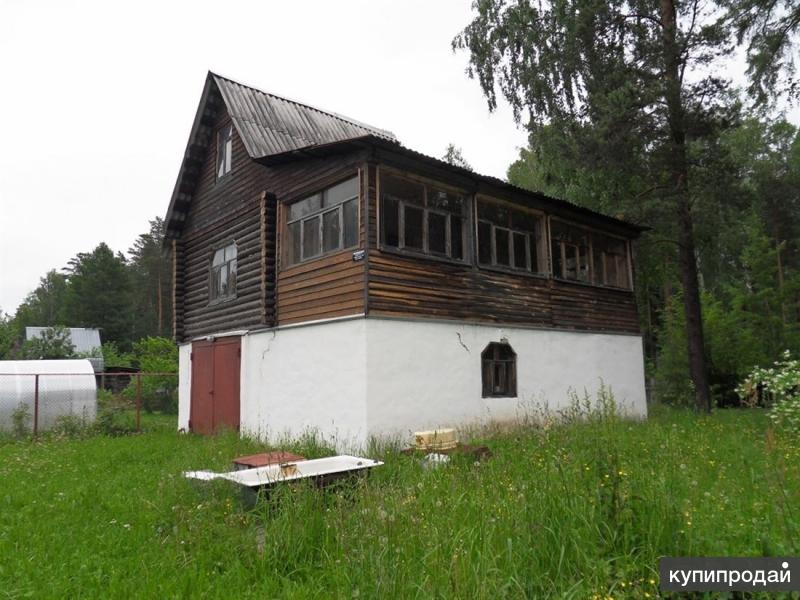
(66, 387)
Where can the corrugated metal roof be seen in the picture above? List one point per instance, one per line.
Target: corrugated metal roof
(84, 339)
(270, 125)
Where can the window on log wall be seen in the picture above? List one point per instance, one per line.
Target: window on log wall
(422, 217)
(510, 238)
(588, 256)
(224, 151)
(222, 278)
(322, 223)
(499, 371)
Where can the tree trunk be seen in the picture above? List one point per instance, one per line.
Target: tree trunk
(679, 172)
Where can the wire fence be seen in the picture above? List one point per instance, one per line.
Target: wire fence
(37, 402)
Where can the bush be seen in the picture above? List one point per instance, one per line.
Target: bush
(20, 417)
(156, 355)
(114, 418)
(782, 384)
(71, 426)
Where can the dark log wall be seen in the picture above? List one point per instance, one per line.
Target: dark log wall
(244, 207)
(403, 286)
(220, 212)
(247, 207)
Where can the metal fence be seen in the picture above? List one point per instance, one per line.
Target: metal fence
(37, 402)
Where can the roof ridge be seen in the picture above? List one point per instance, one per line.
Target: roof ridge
(336, 115)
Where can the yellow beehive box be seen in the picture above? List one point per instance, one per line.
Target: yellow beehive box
(436, 439)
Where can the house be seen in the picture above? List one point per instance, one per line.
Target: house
(328, 278)
(86, 341)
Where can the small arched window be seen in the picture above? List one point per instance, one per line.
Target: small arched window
(499, 371)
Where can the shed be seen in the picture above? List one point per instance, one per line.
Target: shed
(85, 339)
(66, 387)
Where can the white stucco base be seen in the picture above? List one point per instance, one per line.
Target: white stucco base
(184, 385)
(348, 380)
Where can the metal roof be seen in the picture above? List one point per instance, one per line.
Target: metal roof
(275, 129)
(84, 339)
(555, 203)
(270, 125)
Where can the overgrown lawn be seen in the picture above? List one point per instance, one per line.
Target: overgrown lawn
(573, 510)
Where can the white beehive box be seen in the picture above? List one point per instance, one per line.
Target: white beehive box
(436, 439)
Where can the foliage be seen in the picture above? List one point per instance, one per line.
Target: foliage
(113, 357)
(70, 426)
(99, 294)
(126, 299)
(770, 29)
(782, 383)
(53, 343)
(454, 156)
(151, 272)
(156, 355)
(602, 84)
(7, 336)
(114, 416)
(573, 510)
(20, 420)
(45, 306)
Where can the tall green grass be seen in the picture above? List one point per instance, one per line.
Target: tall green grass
(577, 509)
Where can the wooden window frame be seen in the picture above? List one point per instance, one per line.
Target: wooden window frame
(490, 364)
(319, 214)
(536, 240)
(214, 269)
(424, 252)
(228, 154)
(590, 231)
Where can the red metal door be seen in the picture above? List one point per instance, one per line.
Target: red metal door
(215, 385)
(201, 413)
(226, 382)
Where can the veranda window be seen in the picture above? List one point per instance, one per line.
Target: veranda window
(322, 223)
(587, 256)
(510, 238)
(422, 217)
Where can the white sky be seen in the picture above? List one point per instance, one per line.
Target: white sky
(98, 100)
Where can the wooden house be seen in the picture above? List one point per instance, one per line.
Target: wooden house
(328, 278)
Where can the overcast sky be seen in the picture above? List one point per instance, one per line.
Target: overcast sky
(99, 97)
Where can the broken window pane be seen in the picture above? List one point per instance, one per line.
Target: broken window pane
(447, 201)
(501, 238)
(437, 233)
(456, 237)
(412, 229)
(311, 245)
(406, 190)
(389, 217)
(330, 231)
(520, 251)
(293, 243)
(350, 220)
(484, 243)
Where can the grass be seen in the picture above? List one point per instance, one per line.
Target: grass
(578, 510)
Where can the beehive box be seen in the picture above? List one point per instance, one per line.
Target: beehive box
(436, 439)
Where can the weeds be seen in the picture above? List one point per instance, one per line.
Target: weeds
(20, 421)
(573, 507)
